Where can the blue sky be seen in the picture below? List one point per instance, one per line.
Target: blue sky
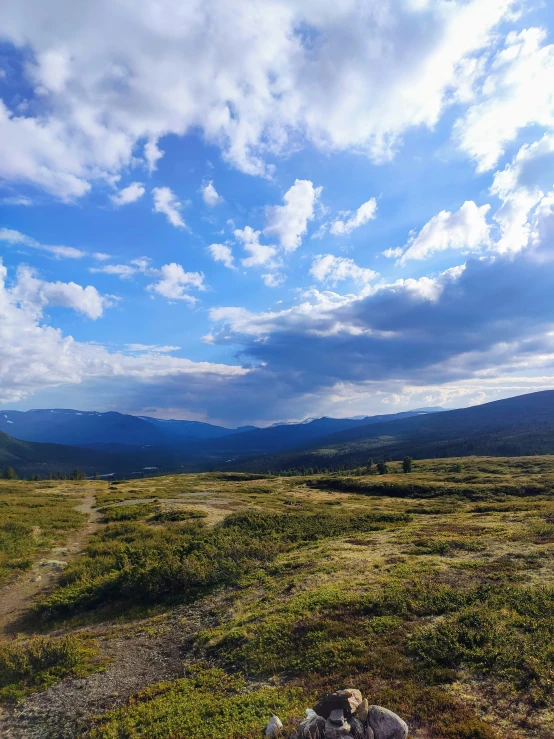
(263, 213)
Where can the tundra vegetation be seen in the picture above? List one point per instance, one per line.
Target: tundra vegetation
(433, 592)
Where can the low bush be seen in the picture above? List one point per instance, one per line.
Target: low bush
(509, 635)
(132, 512)
(208, 704)
(33, 664)
(141, 563)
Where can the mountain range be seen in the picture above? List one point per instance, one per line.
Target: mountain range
(63, 439)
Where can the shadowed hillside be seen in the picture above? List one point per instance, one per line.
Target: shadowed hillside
(515, 426)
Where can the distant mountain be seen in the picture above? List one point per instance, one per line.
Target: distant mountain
(30, 458)
(287, 436)
(511, 427)
(88, 428)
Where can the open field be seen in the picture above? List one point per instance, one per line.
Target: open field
(203, 603)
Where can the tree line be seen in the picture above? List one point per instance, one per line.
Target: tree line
(9, 473)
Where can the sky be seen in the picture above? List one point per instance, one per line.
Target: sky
(260, 212)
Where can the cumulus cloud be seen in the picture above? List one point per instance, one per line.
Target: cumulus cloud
(35, 356)
(175, 283)
(222, 253)
(259, 253)
(129, 194)
(517, 92)
(466, 229)
(273, 279)
(12, 237)
(167, 203)
(289, 222)
(152, 154)
(331, 269)
(393, 252)
(251, 84)
(210, 195)
(365, 213)
(35, 295)
(430, 331)
(521, 186)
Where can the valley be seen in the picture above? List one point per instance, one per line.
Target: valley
(200, 604)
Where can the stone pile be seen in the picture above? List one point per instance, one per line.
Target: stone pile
(344, 714)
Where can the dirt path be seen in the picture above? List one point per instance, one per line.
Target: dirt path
(141, 653)
(17, 597)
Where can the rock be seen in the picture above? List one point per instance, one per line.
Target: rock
(353, 697)
(336, 725)
(274, 726)
(348, 700)
(386, 724)
(362, 711)
(313, 726)
(357, 729)
(56, 564)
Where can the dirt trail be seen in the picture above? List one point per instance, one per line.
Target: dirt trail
(17, 597)
(142, 653)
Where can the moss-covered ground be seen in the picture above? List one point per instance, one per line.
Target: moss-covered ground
(433, 592)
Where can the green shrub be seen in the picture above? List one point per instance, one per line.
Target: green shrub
(36, 663)
(208, 704)
(178, 514)
(138, 563)
(509, 635)
(131, 512)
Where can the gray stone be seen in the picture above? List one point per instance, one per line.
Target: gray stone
(362, 711)
(274, 726)
(56, 564)
(336, 726)
(357, 729)
(313, 726)
(386, 724)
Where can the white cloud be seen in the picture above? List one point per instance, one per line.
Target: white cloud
(518, 92)
(152, 348)
(121, 270)
(152, 154)
(365, 213)
(289, 222)
(259, 253)
(465, 229)
(129, 194)
(17, 200)
(319, 313)
(35, 294)
(101, 256)
(273, 279)
(141, 264)
(331, 269)
(393, 252)
(60, 252)
(35, 356)
(222, 253)
(166, 202)
(521, 186)
(210, 195)
(251, 83)
(175, 282)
